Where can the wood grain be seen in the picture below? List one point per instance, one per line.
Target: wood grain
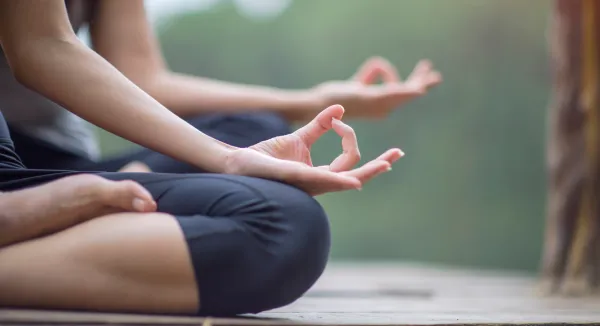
(380, 294)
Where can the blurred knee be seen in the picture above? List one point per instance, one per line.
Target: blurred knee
(273, 124)
(244, 129)
(260, 126)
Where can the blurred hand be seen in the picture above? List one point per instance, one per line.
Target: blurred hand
(363, 98)
(288, 159)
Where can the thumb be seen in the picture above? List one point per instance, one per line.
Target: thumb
(129, 196)
(320, 125)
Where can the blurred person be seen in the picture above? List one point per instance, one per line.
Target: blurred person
(47, 136)
(245, 237)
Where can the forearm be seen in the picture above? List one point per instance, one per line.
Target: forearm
(187, 95)
(22, 219)
(122, 35)
(77, 78)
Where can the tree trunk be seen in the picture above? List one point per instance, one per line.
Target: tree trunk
(571, 252)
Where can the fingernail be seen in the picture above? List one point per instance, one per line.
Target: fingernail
(138, 204)
(401, 153)
(389, 169)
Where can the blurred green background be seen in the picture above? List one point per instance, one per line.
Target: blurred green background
(470, 191)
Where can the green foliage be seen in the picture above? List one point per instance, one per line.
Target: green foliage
(471, 189)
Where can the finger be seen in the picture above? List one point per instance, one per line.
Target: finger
(369, 171)
(129, 196)
(434, 78)
(351, 154)
(317, 181)
(391, 155)
(312, 180)
(422, 68)
(320, 125)
(375, 68)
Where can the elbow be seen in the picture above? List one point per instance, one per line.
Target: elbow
(17, 59)
(28, 58)
(18, 66)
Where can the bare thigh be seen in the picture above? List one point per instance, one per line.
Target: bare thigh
(124, 262)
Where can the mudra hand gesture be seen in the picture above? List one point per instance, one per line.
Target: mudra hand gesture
(287, 158)
(362, 97)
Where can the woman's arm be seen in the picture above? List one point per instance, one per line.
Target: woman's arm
(46, 56)
(40, 210)
(122, 35)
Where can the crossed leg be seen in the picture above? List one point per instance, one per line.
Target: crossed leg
(219, 245)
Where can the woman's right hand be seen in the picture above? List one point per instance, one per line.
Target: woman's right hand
(287, 158)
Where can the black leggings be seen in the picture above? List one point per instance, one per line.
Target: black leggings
(239, 130)
(254, 244)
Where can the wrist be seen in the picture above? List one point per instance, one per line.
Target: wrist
(308, 99)
(222, 155)
(301, 105)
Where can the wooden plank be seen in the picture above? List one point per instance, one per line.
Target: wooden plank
(455, 297)
(23, 316)
(380, 294)
(40, 317)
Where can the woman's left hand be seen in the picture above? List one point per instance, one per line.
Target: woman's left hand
(288, 159)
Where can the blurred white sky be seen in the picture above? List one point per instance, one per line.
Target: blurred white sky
(158, 10)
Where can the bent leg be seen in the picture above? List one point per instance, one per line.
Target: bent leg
(252, 245)
(255, 244)
(128, 262)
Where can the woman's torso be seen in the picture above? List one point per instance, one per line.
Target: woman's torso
(34, 115)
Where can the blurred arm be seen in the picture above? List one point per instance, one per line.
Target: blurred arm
(46, 56)
(123, 36)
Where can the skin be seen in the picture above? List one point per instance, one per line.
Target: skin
(124, 259)
(55, 206)
(123, 255)
(121, 34)
(41, 48)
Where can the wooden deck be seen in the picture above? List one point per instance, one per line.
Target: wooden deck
(381, 294)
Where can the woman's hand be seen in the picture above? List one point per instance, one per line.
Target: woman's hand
(287, 158)
(362, 98)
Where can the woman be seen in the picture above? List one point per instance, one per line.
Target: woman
(49, 137)
(244, 238)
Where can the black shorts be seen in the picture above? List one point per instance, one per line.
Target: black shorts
(255, 244)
